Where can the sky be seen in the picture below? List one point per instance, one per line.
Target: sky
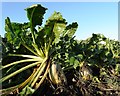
(92, 17)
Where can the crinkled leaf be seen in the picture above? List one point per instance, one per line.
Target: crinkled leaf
(35, 14)
(56, 16)
(58, 25)
(71, 29)
(58, 30)
(15, 32)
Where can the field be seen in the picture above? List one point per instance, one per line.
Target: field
(48, 60)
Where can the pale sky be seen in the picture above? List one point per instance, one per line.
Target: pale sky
(92, 17)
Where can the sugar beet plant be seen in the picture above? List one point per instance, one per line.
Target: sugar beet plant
(34, 46)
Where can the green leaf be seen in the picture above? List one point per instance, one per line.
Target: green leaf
(58, 30)
(76, 63)
(58, 25)
(35, 14)
(27, 91)
(15, 32)
(80, 56)
(71, 29)
(56, 16)
(72, 59)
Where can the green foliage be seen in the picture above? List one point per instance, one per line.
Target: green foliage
(38, 46)
(30, 49)
(99, 50)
